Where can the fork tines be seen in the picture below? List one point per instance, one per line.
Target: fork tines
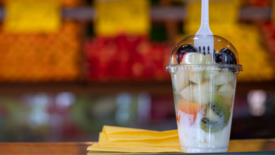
(203, 50)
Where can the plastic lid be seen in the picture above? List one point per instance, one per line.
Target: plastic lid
(187, 55)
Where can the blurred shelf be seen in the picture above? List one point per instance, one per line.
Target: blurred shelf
(244, 87)
(159, 13)
(253, 128)
(167, 13)
(100, 88)
(88, 88)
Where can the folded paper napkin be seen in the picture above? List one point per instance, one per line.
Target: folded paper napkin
(119, 139)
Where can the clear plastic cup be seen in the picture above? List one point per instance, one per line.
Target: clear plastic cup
(204, 90)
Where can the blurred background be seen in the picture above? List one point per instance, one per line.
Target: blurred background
(68, 67)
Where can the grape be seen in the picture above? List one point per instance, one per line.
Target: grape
(183, 50)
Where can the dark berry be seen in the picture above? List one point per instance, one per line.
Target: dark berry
(225, 56)
(185, 49)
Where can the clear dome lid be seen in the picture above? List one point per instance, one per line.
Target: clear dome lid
(188, 55)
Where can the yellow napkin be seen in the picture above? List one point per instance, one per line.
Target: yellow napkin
(119, 139)
(119, 133)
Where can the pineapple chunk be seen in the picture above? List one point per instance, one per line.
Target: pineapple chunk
(223, 77)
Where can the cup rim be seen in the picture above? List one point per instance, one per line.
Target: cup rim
(210, 67)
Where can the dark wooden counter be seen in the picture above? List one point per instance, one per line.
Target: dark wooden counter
(80, 148)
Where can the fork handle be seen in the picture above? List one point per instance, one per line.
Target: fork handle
(204, 28)
(205, 12)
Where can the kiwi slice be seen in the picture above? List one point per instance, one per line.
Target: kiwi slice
(217, 116)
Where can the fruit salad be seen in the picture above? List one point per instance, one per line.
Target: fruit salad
(204, 89)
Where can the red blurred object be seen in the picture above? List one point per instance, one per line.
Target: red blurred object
(126, 58)
(268, 31)
(259, 3)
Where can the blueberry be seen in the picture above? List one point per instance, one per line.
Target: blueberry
(185, 49)
(225, 56)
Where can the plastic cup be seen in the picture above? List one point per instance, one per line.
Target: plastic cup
(204, 98)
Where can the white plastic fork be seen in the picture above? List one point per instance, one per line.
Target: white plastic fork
(204, 37)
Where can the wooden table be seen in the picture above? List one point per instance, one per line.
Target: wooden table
(80, 148)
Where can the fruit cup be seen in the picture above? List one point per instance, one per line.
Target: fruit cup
(204, 84)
